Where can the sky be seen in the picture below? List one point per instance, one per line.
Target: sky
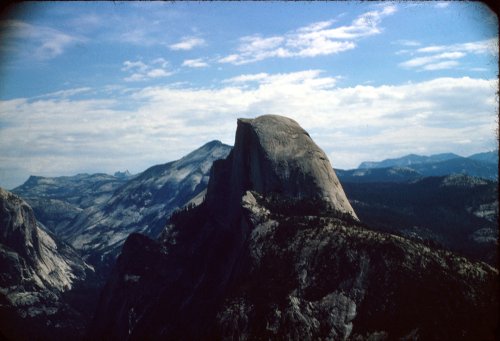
(89, 87)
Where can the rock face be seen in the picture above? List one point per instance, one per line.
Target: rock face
(318, 277)
(274, 155)
(144, 203)
(36, 270)
(276, 252)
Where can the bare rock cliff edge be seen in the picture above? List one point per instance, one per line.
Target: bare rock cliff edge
(276, 252)
(275, 155)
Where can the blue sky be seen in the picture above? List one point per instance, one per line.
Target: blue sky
(107, 86)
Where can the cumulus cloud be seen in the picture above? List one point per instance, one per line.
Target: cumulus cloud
(437, 57)
(316, 39)
(52, 136)
(187, 43)
(309, 78)
(40, 42)
(140, 71)
(195, 63)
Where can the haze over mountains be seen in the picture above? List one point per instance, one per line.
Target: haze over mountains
(413, 159)
(411, 167)
(249, 225)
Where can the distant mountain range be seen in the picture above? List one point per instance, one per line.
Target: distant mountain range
(414, 159)
(45, 283)
(96, 213)
(57, 201)
(82, 190)
(445, 199)
(144, 203)
(413, 167)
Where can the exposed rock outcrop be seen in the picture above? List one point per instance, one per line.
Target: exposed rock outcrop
(318, 277)
(36, 270)
(274, 155)
(276, 252)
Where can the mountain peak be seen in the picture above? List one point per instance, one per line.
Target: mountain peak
(213, 143)
(275, 155)
(122, 175)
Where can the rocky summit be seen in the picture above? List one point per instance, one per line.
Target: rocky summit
(36, 271)
(274, 155)
(275, 251)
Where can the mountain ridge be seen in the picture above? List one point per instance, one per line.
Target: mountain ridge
(401, 170)
(407, 160)
(260, 260)
(416, 162)
(143, 203)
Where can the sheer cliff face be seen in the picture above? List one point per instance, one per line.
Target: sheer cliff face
(35, 270)
(268, 256)
(41, 260)
(274, 155)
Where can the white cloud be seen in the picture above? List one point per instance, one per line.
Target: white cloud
(137, 65)
(317, 39)
(247, 78)
(156, 73)
(476, 47)
(438, 57)
(303, 78)
(195, 63)
(60, 135)
(423, 61)
(187, 43)
(441, 65)
(442, 4)
(140, 71)
(43, 42)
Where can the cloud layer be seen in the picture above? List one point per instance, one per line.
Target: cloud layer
(55, 134)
